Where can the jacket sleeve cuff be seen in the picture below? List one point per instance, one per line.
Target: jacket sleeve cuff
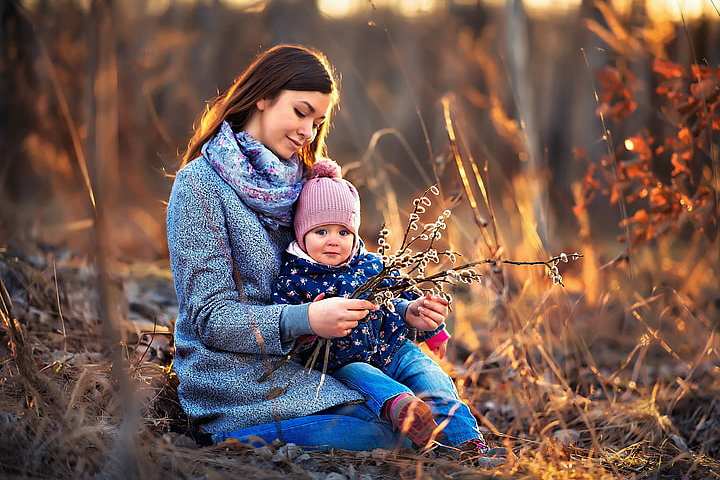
(438, 339)
(294, 322)
(401, 306)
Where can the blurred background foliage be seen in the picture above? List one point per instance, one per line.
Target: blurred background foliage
(102, 96)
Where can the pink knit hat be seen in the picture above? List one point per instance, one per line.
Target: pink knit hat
(326, 199)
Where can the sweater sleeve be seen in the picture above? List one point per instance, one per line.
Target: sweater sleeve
(401, 306)
(202, 267)
(438, 339)
(293, 322)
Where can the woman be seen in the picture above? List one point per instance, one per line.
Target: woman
(228, 223)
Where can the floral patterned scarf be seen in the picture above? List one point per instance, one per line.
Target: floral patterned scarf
(266, 184)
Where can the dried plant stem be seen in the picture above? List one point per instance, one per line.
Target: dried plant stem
(406, 77)
(64, 107)
(57, 299)
(313, 357)
(326, 361)
(479, 181)
(481, 223)
(46, 394)
(405, 284)
(607, 138)
(375, 140)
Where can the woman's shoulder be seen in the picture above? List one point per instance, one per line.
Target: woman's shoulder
(197, 170)
(197, 193)
(197, 182)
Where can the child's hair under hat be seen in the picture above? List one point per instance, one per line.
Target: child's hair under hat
(326, 199)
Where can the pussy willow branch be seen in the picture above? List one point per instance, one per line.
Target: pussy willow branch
(416, 207)
(404, 283)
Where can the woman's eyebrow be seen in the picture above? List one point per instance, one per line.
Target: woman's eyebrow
(312, 109)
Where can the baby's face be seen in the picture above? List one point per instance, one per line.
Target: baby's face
(329, 244)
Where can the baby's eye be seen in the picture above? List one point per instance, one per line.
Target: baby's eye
(344, 233)
(320, 231)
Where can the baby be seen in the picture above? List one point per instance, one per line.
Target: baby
(378, 357)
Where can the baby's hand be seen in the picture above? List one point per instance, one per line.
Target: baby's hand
(426, 313)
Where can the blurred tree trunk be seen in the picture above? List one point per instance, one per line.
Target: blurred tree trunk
(570, 123)
(102, 153)
(17, 96)
(518, 65)
(105, 90)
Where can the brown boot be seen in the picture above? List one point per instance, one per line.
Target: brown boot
(413, 418)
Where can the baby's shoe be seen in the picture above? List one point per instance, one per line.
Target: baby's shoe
(413, 418)
(475, 452)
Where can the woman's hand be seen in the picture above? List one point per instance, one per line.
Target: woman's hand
(426, 313)
(335, 317)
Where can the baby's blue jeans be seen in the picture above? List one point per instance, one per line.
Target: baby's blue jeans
(412, 371)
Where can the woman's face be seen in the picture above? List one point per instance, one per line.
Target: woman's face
(290, 121)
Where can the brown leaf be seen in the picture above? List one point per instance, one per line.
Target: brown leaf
(640, 146)
(685, 136)
(657, 199)
(634, 169)
(679, 166)
(641, 216)
(667, 68)
(609, 77)
(704, 88)
(274, 393)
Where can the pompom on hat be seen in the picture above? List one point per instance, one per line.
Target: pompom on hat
(326, 199)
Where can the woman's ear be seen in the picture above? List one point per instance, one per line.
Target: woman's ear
(261, 104)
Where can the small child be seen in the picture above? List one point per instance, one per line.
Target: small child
(377, 357)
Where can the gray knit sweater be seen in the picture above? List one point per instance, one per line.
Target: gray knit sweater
(228, 333)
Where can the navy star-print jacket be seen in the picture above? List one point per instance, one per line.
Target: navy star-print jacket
(376, 338)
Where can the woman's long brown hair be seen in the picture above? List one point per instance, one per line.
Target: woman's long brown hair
(283, 67)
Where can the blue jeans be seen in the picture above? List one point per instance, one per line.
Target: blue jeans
(325, 430)
(412, 370)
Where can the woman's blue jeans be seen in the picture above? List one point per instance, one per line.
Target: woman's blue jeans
(347, 427)
(360, 427)
(412, 371)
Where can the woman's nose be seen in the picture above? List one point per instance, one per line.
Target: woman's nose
(305, 130)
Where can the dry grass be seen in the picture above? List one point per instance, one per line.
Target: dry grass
(627, 388)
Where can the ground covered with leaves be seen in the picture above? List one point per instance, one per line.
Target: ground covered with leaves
(625, 387)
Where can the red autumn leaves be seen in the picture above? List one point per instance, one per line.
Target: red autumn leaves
(665, 170)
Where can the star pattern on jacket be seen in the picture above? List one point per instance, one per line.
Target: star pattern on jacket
(377, 337)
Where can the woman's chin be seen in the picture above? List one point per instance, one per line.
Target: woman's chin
(282, 153)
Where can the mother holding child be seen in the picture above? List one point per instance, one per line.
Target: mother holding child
(259, 225)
